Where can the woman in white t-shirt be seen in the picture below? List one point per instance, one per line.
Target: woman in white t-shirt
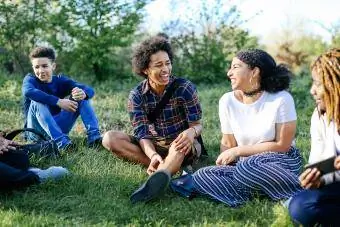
(320, 203)
(258, 123)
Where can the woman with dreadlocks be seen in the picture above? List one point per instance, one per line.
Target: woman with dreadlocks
(258, 123)
(320, 203)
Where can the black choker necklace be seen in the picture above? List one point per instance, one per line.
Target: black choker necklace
(252, 93)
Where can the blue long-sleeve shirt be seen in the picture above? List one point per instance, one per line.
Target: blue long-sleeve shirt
(49, 93)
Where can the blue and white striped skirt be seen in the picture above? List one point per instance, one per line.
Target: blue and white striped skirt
(274, 174)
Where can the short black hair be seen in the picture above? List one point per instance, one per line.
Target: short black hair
(273, 77)
(143, 52)
(43, 52)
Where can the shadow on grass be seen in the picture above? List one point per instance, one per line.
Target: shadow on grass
(103, 198)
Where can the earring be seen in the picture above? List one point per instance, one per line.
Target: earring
(254, 86)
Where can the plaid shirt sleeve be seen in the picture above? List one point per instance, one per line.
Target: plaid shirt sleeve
(138, 116)
(192, 104)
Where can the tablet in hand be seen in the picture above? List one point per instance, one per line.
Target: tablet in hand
(324, 166)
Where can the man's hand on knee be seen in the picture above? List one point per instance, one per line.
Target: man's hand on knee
(184, 141)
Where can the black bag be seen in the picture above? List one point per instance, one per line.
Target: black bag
(165, 99)
(44, 148)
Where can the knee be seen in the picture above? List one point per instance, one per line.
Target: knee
(245, 166)
(111, 140)
(37, 106)
(301, 209)
(175, 153)
(84, 103)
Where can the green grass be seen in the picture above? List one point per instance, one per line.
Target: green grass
(97, 192)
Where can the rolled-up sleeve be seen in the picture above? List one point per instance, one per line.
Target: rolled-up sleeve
(138, 116)
(192, 104)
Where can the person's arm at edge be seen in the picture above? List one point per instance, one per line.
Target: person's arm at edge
(228, 141)
(139, 122)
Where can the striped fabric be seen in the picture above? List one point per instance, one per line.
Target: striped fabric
(272, 174)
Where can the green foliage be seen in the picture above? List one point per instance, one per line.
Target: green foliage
(22, 26)
(97, 33)
(298, 53)
(98, 189)
(91, 37)
(206, 43)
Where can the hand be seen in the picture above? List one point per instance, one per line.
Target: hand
(78, 94)
(6, 145)
(156, 159)
(337, 162)
(184, 141)
(67, 105)
(311, 178)
(227, 156)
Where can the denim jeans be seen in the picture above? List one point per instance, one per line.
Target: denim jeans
(13, 171)
(58, 126)
(317, 206)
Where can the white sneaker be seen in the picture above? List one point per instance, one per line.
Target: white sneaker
(286, 203)
(51, 173)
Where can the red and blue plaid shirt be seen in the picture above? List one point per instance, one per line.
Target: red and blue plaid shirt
(183, 108)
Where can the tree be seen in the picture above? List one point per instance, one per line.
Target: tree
(95, 31)
(22, 26)
(206, 43)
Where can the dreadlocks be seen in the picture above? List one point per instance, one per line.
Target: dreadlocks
(327, 66)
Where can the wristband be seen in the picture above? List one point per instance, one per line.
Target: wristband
(194, 131)
(153, 155)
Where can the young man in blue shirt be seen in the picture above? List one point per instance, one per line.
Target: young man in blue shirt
(46, 106)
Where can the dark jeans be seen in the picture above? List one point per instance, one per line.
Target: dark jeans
(317, 206)
(13, 171)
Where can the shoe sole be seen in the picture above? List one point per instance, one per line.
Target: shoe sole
(155, 185)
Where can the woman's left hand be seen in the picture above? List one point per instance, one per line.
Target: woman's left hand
(228, 156)
(183, 142)
(337, 162)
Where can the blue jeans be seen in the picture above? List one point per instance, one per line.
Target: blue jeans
(317, 206)
(58, 126)
(13, 171)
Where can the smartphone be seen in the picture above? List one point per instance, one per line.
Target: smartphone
(324, 166)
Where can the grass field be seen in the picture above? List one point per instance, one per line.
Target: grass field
(97, 192)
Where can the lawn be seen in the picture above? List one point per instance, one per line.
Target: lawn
(97, 192)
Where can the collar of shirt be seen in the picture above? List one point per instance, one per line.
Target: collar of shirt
(146, 86)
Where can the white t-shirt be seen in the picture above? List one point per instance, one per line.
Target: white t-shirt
(255, 123)
(325, 142)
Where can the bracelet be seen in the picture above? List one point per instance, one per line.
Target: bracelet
(153, 155)
(196, 134)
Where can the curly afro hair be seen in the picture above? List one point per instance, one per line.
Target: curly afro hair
(273, 77)
(142, 53)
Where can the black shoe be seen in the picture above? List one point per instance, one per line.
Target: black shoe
(155, 185)
(95, 144)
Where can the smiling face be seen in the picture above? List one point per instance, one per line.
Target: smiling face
(241, 76)
(317, 90)
(159, 69)
(43, 68)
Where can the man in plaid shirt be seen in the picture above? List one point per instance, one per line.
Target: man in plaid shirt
(170, 141)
